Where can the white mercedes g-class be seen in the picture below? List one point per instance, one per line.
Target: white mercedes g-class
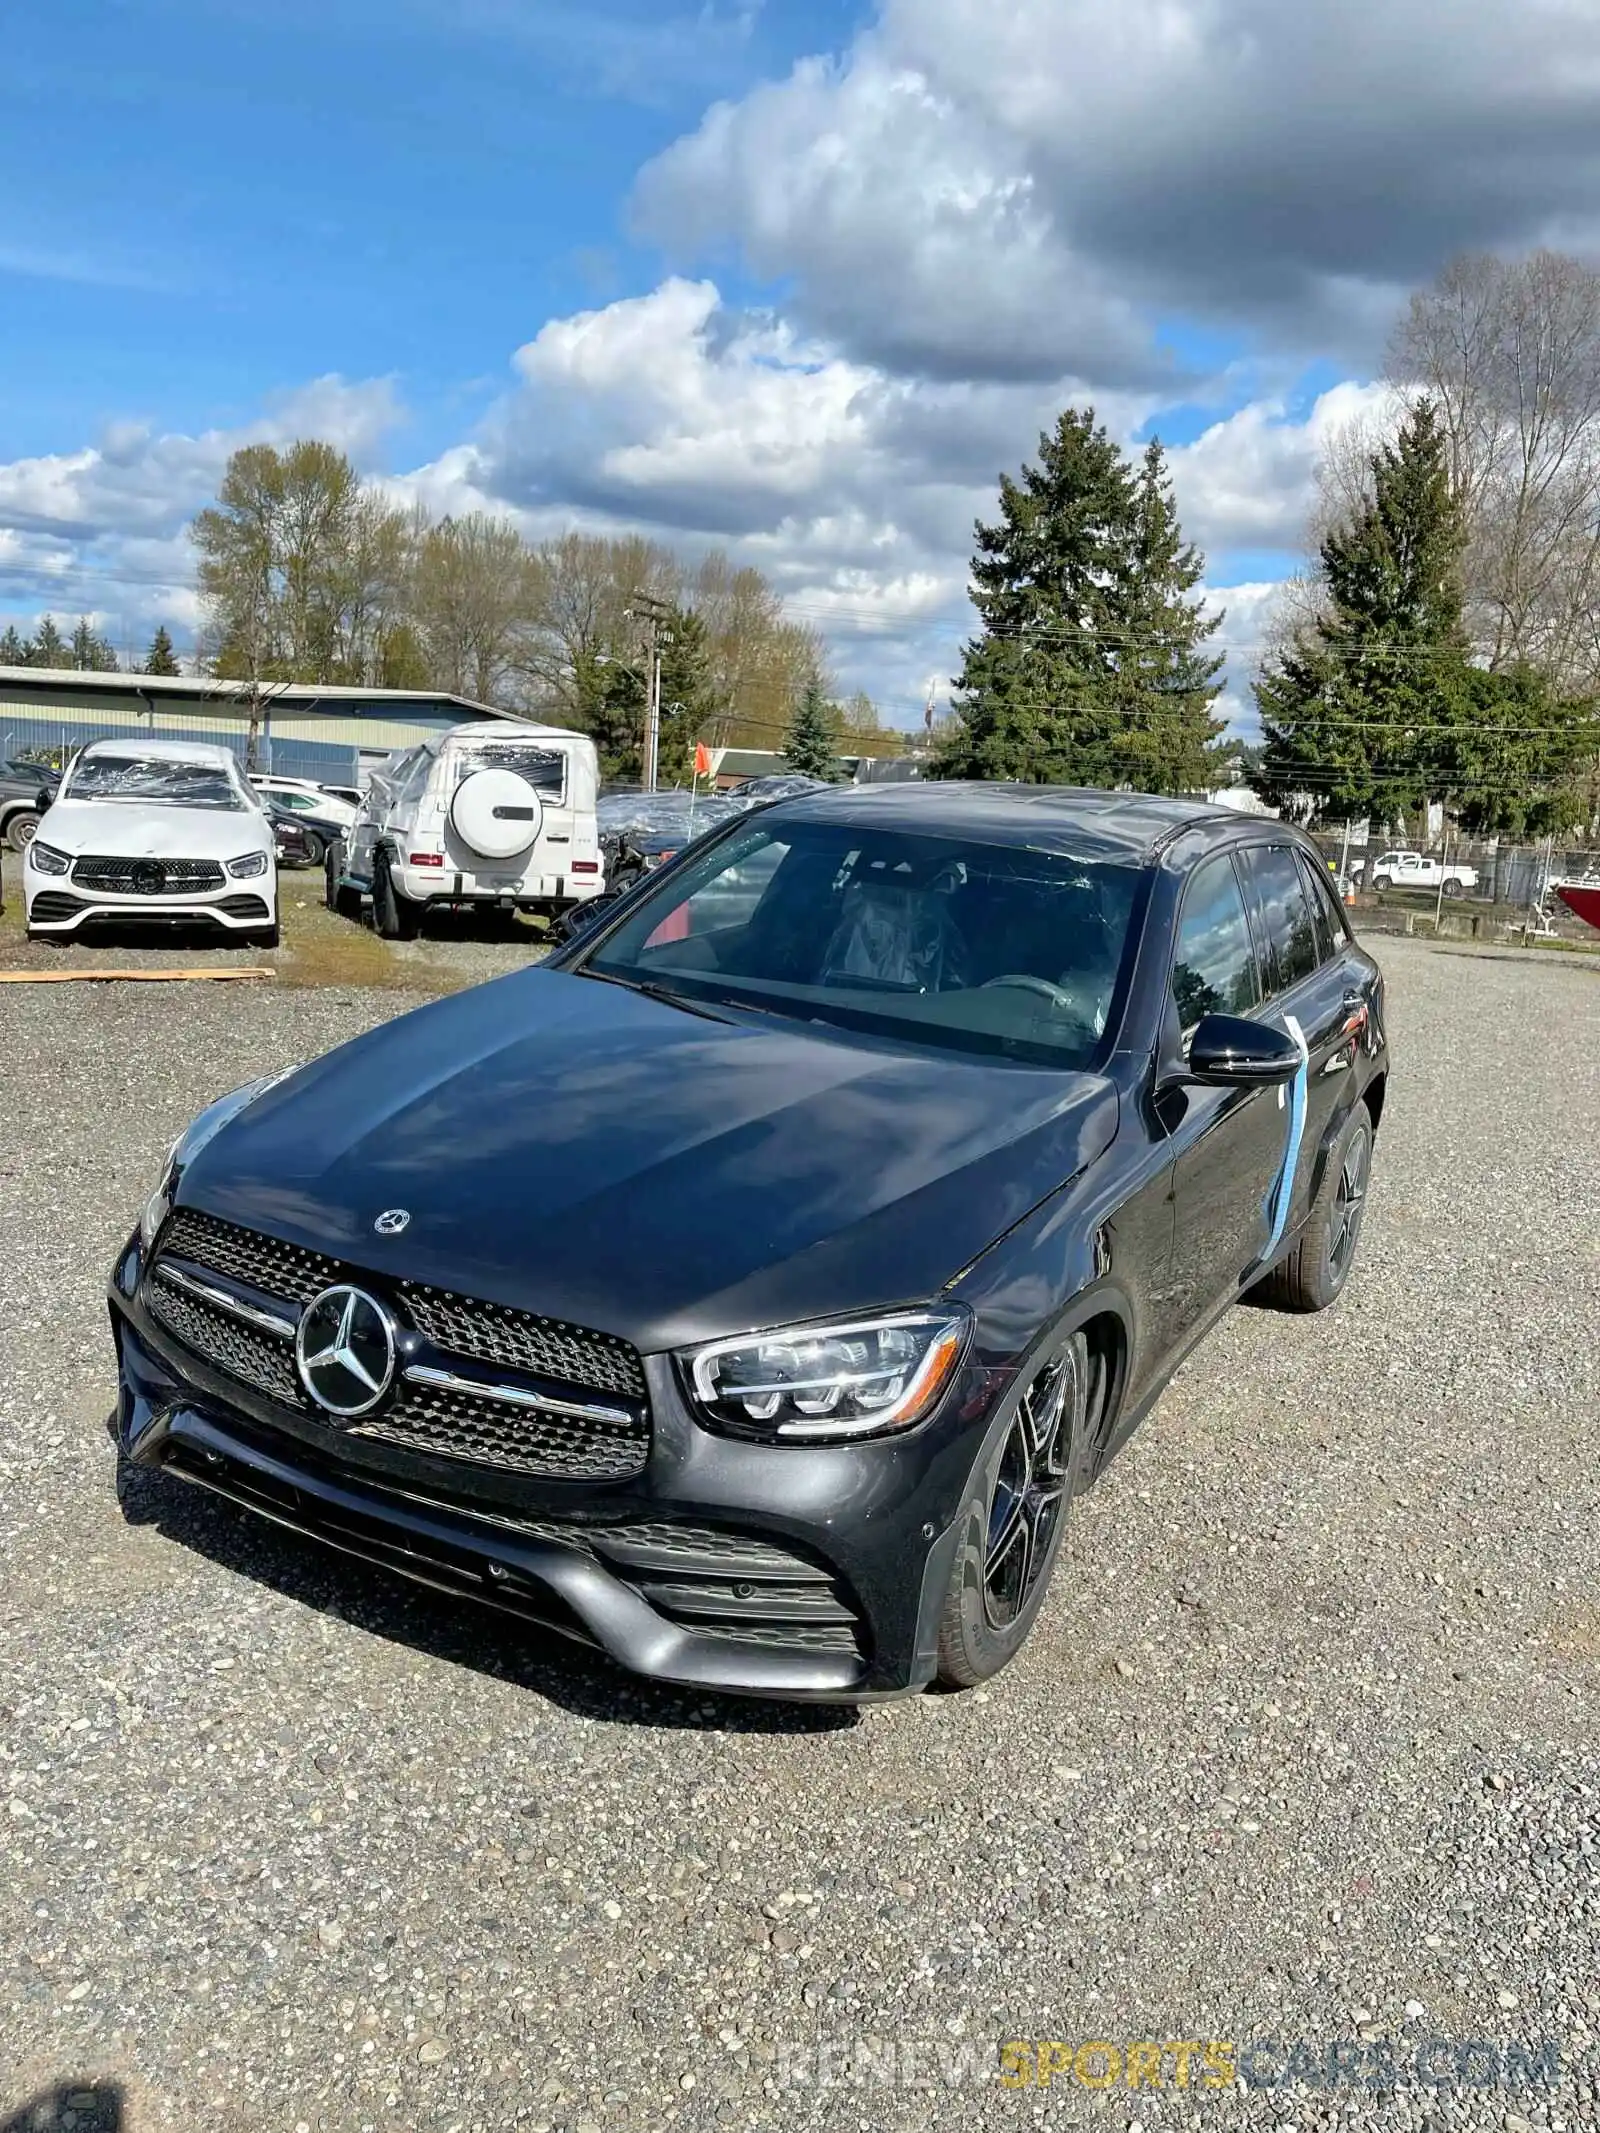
(499, 814)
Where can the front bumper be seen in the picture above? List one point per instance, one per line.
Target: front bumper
(59, 906)
(804, 1573)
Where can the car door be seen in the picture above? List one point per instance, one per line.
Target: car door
(367, 830)
(1226, 1144)
(1315, 994)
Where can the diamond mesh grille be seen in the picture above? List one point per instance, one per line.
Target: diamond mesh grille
(148, 877)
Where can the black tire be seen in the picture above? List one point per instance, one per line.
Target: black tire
(20, 828)
(336, 892)
(1383, 881)
(1314, 1274)
(394, 915)
(316, 847)
(1451, 888)
(261, 937)
(1017, 1506)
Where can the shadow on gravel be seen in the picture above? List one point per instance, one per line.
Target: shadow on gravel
(578, 1678)
(72, 2107)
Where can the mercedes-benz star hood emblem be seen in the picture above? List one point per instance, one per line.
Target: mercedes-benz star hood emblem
(392, 1221)
(345, 1351)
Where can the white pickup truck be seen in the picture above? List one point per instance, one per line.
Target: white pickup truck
(1414, 870)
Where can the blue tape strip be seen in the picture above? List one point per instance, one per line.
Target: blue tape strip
(1282, 1193)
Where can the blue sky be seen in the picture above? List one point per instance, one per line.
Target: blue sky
(254, 193)
(796, 278)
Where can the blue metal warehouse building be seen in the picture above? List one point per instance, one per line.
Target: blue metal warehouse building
(307, 730)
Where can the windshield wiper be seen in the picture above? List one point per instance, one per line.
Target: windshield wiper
(653, 991)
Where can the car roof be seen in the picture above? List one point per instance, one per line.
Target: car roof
(502, 732)
(211, 753)
(1074, 820)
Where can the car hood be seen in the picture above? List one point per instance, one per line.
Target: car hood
(578, 1149)
(131, 829)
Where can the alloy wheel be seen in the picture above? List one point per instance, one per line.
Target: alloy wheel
(1030, 1488)
(1349, 1202)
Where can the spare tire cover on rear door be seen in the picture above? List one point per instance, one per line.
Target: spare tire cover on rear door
(496, 812)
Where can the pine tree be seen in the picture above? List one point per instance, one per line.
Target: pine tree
(612, 696)
(688, 696)
(91, 653)
(13, 652)
(1514, 767)
(48, 648)
(161, 657)
(609, 696)
(1167, 681)
(1091, 668)
(1359, 713)
(808, 744)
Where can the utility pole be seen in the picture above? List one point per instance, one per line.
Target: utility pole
(654, 614)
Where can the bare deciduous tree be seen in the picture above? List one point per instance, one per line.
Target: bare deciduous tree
(473, 604)
(1511, 352)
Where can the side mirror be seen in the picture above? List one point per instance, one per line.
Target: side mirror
(582, 916)
(46, 796)
(1228, 1052)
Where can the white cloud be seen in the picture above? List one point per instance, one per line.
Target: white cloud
(1018, 191)
(100, 529)
(853, 490)
(1250, 480)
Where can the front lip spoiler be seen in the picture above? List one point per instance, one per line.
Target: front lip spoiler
(465, 1556)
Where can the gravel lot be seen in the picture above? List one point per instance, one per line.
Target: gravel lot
(1302, 1748)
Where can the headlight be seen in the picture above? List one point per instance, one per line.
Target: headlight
(828, 1381)
(247, 865)
(203, 1128)
(45, 859)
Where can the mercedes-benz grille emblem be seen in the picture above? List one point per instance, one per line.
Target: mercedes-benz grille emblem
(149, 877)
(392, 1221)
(345, 1351)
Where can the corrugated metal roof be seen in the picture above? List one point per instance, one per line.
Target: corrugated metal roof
(201, 688)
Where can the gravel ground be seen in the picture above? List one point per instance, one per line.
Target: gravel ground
(1302, 1749)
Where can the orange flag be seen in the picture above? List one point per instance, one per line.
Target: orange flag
(702, 760)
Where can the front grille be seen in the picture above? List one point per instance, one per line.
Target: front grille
(148, 877)
(445, 1423)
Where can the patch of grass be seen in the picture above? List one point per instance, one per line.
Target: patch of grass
(319, 950)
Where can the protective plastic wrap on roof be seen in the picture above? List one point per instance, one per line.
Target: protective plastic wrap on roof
(663, 812)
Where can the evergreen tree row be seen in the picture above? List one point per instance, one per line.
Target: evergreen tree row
(84, 651)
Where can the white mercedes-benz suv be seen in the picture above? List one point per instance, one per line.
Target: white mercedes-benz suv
(153, 831)
(501, 814)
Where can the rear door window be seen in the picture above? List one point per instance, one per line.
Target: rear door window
(1214, 967)
(1284, 912)
(1325, 909)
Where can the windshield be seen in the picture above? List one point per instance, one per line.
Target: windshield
(153, 779)
(935, 941)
